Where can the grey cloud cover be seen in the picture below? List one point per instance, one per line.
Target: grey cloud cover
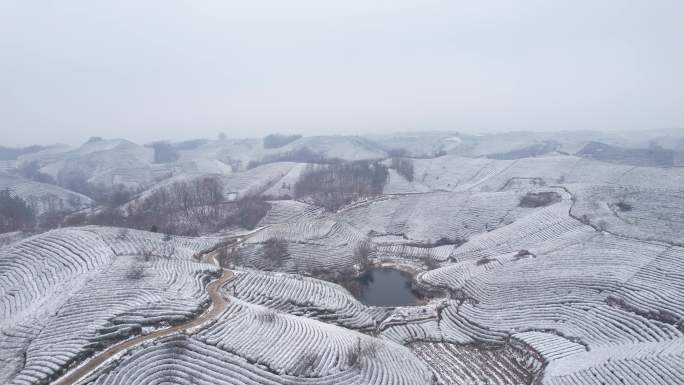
(173, 69)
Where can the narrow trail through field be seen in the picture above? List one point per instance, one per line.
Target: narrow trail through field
(218, 305)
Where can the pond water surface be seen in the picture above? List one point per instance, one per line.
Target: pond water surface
(387, 287)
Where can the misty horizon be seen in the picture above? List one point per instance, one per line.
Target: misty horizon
(355, 192)
(175, 71)
(418, 133)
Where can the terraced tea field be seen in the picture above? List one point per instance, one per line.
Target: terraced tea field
(582, 286)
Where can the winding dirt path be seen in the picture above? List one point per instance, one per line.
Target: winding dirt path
(218, 305)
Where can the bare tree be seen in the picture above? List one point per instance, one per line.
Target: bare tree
(146, 253)
(307, 363)
(336, 184)
(362, 350)
(250, 211)
(275, 250)
(15, 212)
(135, 272)
(266, 316)
(362, 253)
(228, 256)
(169, 250)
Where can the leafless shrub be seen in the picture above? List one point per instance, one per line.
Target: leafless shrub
(483, 261)
(168, 251)
(585, 219)
(539, 199)
(623, 206)
(146, 253)
(440, 242)
(354, 354)
(228, 255)
(135, 272)
(274, 249)
(306, 364)
(522, 254)
(266, 316)
(367, 350)
(430, 263)
(602, 225)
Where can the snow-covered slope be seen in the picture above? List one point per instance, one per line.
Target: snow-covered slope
(65, 292)
(42, 196)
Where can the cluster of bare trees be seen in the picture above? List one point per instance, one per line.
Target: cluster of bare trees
(274, 251)
(336, 184)
(15, 213)
(164, 152)
(194, 207)
(183, 207)
(404, 167)
(188, 207)
(539, 199)
(400, 161)
(195, 200)
(35, 212)
(352, 277)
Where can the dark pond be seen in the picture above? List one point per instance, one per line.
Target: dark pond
(386, 287)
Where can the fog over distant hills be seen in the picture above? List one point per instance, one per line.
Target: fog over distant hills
(521, 257)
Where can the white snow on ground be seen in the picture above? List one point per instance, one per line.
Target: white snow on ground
(64, 292)
(587, 290)
(251, 344)
(43, 196)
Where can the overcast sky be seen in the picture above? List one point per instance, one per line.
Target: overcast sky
(168, 69)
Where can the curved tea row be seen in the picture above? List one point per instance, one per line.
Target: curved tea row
(254, 345)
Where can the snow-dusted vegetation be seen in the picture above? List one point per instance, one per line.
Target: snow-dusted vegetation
(534, 262)
(66, 293)
(251, 344)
